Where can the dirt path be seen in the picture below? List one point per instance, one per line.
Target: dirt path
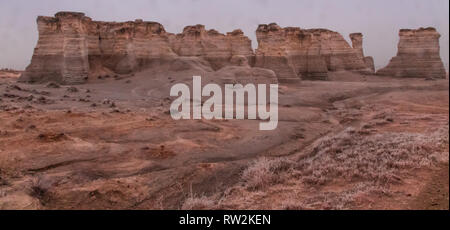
(435, 195)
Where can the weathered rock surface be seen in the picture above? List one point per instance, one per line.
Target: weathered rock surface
(216, 48)
(418, 55)
(72, 47)
(295, 53)
(357, 44)
(61, 53)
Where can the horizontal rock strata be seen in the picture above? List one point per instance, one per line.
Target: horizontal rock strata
(309, 54)
(72, 48)
(357, 44)
(418, 55)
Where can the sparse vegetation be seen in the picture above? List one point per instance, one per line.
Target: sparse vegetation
(265, 172)
(198, 203)
(371, 163)
(378, 158)
(39, 189)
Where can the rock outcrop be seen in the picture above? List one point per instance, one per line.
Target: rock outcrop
(72, 47)
(61, 53)
(295, 53)
(418, 55)
(357, 44)
(216, 48)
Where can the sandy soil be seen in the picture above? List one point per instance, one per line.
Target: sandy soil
(9, 73)
(111, 144)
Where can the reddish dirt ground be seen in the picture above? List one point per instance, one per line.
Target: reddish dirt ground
(111, 144)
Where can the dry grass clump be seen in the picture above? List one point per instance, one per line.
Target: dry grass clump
(341, 200)
(198, 203)
(194, 202)
(370, 164)
(39, 189)
(265, 172)
(378, 158)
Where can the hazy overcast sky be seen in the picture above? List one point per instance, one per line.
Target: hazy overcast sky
(379, 20)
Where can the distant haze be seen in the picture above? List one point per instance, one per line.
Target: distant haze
(379, 21)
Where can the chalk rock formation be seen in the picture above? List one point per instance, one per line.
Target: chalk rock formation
(357, 44)
(215, 47)
(295, 53)
(61, 53)
(127, 46)
(71, 47)
(418, 55)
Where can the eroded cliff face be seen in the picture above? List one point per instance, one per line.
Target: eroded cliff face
(72, 47)
(61, 53)
(295, 53)
(418, 55)
(127, 47)
(218, 49)
(357, 44)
